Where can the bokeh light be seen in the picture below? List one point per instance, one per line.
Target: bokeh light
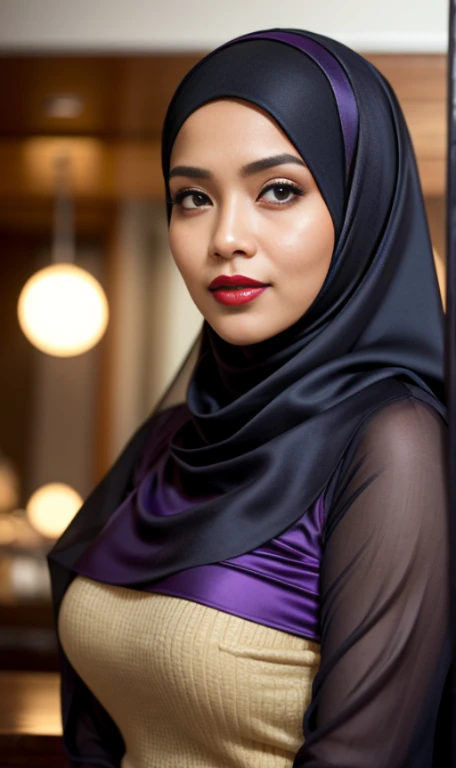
(63, 310)
(52, 507)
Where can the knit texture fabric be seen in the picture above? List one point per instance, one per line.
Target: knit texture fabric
(188, 685)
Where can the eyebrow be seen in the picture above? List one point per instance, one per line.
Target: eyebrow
(271, 162)
(247, 170)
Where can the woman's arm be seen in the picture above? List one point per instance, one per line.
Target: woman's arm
(384, 645)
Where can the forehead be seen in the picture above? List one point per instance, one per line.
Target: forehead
(229, 127)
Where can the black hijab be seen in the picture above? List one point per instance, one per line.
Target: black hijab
(267, 425)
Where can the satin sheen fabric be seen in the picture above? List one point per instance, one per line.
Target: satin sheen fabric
(276, 585)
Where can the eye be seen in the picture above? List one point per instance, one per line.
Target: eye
(190, 199)
(280, 192)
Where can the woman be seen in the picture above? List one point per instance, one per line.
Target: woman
(262, 576)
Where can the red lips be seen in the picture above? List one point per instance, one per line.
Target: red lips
(236, 290)
(235, 281)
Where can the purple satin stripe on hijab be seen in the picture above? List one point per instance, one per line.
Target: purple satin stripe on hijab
(340, 84)
(276, 585)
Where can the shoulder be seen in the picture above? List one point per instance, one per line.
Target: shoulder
(397, 460)
(407, 433)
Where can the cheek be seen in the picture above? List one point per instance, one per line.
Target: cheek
(186, 251)
(308, 244)
(181, 250)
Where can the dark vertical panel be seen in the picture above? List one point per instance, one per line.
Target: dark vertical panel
(451, 345)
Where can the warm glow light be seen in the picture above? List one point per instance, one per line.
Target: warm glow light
(63, 310)
(52, 507)
(63, 105)
(86, 157)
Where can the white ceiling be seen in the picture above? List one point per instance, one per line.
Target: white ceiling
(188, 25)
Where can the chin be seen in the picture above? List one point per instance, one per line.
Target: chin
(240, 337)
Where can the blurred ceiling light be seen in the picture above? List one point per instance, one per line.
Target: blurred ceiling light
(86, 155)
(63, 105)
(52, 507)
(62, 309)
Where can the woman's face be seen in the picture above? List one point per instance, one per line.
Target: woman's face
(246, 206)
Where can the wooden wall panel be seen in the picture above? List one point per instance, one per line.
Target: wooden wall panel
(115, 158)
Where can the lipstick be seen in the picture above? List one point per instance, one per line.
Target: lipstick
(236, 289)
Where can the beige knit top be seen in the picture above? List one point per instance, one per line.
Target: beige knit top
(187, 685)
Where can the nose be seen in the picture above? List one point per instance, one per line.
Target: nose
(233, 233)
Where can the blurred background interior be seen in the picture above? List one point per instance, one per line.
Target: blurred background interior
(83, 88)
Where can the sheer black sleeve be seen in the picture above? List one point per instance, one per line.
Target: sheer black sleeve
(384, 591)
